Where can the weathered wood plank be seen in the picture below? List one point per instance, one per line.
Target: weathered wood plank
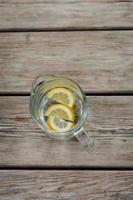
(98, 61)
(65, 14)
(66, 185)
(22, 143)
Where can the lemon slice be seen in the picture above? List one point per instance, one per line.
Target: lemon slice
(60, 117)
(62, 95)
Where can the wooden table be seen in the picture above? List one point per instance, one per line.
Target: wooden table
(91, 42)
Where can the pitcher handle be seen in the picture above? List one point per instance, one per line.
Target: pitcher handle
(84, 138)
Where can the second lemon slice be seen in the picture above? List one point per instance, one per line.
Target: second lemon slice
(60, 117)
(62, 95)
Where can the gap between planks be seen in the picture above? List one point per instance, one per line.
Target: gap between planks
(100, 93)
(66, 168)
(17, 30)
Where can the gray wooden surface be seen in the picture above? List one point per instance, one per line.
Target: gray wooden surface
(98, 61)
(70, 14)
(66, 185)
(22, 143)
(90, 41)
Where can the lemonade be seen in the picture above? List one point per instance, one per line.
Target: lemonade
(60, 109)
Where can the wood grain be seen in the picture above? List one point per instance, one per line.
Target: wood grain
(68, 14)
(65, 185)
(98, 61)
(22, 143)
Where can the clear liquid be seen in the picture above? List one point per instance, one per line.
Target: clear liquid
(44, 103)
